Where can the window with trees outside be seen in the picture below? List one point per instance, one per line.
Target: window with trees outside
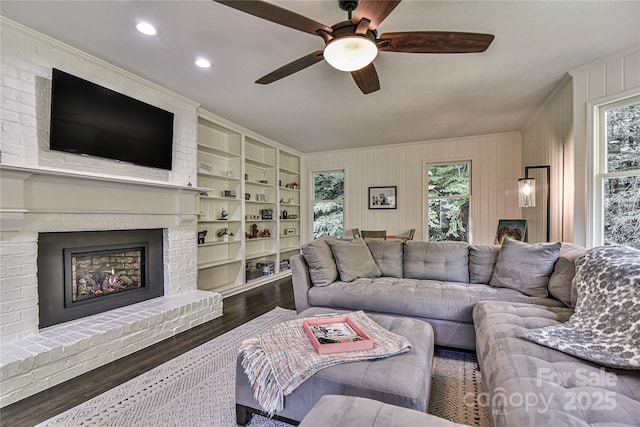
(617, 174)
(448, 200)
(328, 204)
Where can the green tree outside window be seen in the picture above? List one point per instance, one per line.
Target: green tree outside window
(328, 204)
(448, 199)
(621, 181)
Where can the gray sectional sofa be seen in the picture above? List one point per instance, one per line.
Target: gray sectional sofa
(438, 282)
(480, 297)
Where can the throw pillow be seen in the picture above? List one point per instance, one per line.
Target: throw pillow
(482, 262)
(353, 259)
(525, 267)
(388, 256)
(319, 258)
(561, 281)
(605, 327)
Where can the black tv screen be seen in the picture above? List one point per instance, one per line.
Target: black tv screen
(90, 119)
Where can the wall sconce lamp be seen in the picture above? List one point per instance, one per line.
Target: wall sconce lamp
(526, 192)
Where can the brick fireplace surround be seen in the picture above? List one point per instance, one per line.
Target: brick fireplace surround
(43, 190)
(46, 200)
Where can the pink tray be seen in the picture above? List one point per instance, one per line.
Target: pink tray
(364, 344)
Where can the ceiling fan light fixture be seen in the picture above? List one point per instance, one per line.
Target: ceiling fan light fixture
(350, 53)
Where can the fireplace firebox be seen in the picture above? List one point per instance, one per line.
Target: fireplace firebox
(85, 273)
(101, 271)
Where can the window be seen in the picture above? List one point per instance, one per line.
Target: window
(328, 204)
(448, 199)
(617, 174)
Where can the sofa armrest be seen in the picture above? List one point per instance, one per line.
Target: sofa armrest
(301, 282)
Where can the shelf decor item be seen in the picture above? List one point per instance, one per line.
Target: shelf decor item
(224, 233)
(205, 167)
(383, 197)
(201, 237)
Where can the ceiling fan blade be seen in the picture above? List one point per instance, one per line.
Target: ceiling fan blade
(373, 10)
(277, 14)
(292, 67)
(435, 42)
(367, 79)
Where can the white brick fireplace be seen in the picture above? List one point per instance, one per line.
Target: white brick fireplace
(45, 200)
(43, 191)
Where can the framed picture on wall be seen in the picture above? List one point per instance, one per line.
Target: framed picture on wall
(383, 197)
(514, 228)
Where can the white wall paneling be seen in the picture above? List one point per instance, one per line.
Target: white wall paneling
(496, 167)
(545, 140)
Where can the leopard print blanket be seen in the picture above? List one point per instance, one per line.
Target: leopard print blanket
(605, 327)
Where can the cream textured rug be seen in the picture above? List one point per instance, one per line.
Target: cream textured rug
(197, 388)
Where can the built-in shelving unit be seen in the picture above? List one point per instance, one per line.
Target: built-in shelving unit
(289, 207)
(252, 189)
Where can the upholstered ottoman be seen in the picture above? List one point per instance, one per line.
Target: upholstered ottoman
(349, 411)
(402, 380)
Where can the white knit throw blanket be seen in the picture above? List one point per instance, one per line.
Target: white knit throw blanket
(279, 360)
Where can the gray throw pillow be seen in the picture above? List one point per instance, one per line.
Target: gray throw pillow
(353, 259)
(525, 267)
(388, 255)
(561, 281)
(319, 258)
(482, 262)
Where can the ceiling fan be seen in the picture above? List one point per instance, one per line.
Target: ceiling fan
(352, 45)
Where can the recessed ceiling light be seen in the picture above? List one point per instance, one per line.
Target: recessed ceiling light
(146, 28)
(203, 63)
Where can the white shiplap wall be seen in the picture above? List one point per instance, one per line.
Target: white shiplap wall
(496, 167)
(594, 84)
(545, 140)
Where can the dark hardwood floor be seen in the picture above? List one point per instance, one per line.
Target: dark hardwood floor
(238, 309)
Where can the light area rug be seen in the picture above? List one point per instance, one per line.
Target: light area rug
(197, 389)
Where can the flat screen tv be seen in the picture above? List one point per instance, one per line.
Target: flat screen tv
(90, 119)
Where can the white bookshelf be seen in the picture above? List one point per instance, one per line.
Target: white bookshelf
(246, 178)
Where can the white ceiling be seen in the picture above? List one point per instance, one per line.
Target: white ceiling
(422, 97)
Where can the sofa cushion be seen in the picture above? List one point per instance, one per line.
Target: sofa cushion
(388, 255)
(570, 391)
(524, 267)
(430, 299)
(482, 262)
(319, 258)
(437, 261)
(562, 281)
(353, 259)
(353, 411)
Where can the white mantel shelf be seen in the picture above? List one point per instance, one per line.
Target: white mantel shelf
(94, 177)
(28, 191)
